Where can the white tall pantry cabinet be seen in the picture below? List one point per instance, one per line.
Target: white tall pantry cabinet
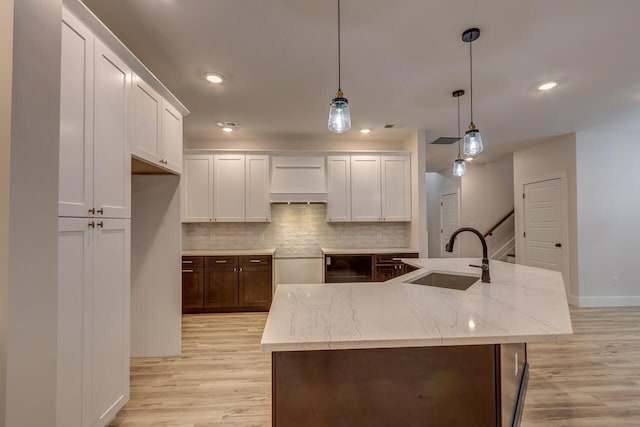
(94, 230)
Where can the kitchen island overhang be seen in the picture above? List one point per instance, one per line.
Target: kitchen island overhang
(403, 351)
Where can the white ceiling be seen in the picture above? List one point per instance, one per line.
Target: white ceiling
(401, 61)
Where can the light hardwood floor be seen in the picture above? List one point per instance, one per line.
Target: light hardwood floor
(223, 379)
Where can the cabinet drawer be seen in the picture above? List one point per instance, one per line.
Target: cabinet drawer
(221, 261)
(253, 260)
(192, 261)
(391, 258)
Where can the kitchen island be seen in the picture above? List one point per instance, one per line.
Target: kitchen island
(396, 353)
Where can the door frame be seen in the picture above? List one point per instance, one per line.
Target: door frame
(456, 251)
(564, 216)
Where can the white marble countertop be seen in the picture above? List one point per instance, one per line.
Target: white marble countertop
(225, 252)
(333, 251)
(521, 304)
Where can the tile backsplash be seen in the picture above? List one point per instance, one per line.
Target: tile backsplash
(296, 231)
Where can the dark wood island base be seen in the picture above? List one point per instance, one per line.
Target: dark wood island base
(470, 385)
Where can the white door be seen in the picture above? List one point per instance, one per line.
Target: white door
(76, 119)
(338, 188)
(197, 188)
(449, 222)
(396, 188)
(365, 188)
(110, 318)
(145, 121)
(258, 206)
(75, 238)
(112, 153)
(228, 188)
(171, 137)
(543, 224)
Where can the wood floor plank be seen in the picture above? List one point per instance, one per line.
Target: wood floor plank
(223, 379)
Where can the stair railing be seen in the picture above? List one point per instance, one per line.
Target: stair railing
(499, 223)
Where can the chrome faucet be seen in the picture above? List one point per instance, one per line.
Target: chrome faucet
(485, 258)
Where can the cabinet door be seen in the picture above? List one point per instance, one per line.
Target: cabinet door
(365, 188)
(112, 153)
(76, 119)
(197, 188)
(74, 320)
(171, 137)
(339, 188)
(110, 318)
(221, 282)
(386, 272)
(228, 188)
(145, 121)
(258, 206)
(396, 188)
(255, 282)
(192, 282)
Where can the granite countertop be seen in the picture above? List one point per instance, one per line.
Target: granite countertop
(521, 304)
(226, 252)
(334, 251)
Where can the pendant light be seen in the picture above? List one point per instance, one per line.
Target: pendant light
(472, 139)
(459, 166)
(339, 116)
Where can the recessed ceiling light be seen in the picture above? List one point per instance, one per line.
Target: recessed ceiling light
(214, 77)
(365, 131)
(547, 86)
(227, 129)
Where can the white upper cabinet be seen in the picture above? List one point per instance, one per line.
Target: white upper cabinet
(197, 188)
(146, 107)
(396, 188)
(338, 188)
(257, 205)
(95, 156)
(171, 137)
(229, 188)
(111, 149)
(365, 188)
(76, 119)
(156, 128)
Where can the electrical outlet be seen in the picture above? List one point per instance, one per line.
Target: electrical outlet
(614, 280)
(516, 367)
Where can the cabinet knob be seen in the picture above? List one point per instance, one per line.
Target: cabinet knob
(92, 224)
(100, 224)
(92, 211)
(101, 211)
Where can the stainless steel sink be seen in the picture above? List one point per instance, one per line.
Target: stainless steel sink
(446, 280)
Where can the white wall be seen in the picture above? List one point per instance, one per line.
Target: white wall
(156, 309)
(608, 212)
(6, 66)
(487, 196)
(33, 209)
(417, 230)
(438, 183)
(550, 156)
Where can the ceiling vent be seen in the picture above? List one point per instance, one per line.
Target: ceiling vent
(446, 140)
(389, 126)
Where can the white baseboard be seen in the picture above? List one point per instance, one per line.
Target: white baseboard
(620, 301)
(573, 300)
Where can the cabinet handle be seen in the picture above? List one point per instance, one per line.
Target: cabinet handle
(235, 269)
(92, 211)
(187, 262)
(100, 224)
(187, 271)
(92, 224)
(240, 268)
(221, 261)
(255, 260)
(101, 211)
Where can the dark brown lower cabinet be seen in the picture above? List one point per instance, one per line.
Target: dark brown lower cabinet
(470, 386)
(192, 282)
(226, 283)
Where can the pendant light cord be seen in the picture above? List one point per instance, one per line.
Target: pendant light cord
(458, 126)
(471, 76)
(339, 64)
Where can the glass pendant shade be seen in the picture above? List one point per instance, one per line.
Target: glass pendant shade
(459, 167)
(472, 143)
(339, 116)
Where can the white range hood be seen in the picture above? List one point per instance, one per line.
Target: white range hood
(296, 179)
